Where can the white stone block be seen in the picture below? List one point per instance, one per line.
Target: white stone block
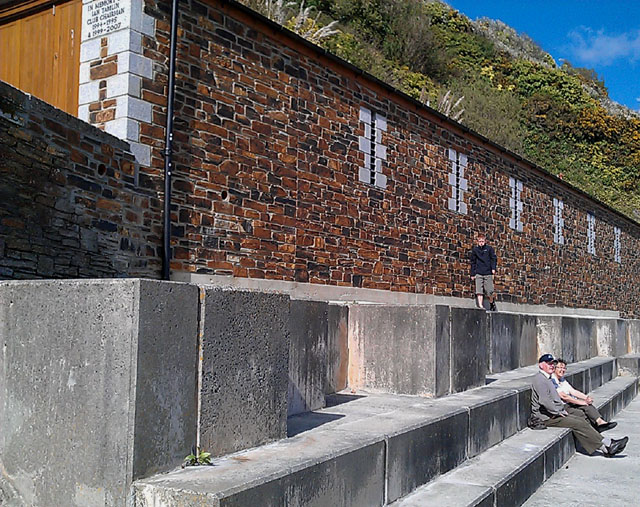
(452, 204)
(367, 130)
(142, 153)
(90, 50)
(135, 64)
(365, 115)
(125, 40)
(88, 92)
(364, 175)
(381, 123)
(464, 184)
(131, 107)
(452, 179)
(463, 160)
(452, 155)
(139, 20)
(83, 112)
(124, 84)
(378, 165)
(381, 151)
(463, 208)
(364, 144)
(85, 72)
(381, 180)
(123, 128)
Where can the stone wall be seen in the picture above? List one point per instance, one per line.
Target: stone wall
(271, 182)
(73, 201)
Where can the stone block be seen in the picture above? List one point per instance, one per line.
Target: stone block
(586, 339)
(391, 348)
(611, 337)
(443, 350)
(355, 478)
(517, 487)
(595, 378)
(308, 356)
(579, 380)
(97, 386)
(633, 336)
(415, 457)
(504, 334)
(245, 361)
(528, 340)
(469, 348)
(549, 335)
(629, 365)
(337, 348)
(492, 420)
(558, 453)
(569, 336)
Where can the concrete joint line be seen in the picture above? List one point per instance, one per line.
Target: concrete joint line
(385, 482)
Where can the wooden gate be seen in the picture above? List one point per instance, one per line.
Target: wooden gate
(40, 49)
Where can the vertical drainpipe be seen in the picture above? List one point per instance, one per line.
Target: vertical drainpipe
(168, 150)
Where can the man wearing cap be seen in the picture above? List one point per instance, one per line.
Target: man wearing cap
(552, 411)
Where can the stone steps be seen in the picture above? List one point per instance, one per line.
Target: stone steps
(508, 473)
(369, 450)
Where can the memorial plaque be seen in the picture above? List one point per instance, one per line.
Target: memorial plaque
(102, 17)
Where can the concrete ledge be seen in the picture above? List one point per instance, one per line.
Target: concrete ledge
(97, 386)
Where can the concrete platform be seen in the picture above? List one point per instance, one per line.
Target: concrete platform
(375, 449)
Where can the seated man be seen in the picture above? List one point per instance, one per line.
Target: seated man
(547, 406)
(578, 399)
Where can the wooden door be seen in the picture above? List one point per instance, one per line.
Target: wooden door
(40, 52)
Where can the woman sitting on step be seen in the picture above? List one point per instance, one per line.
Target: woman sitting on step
(578, 399)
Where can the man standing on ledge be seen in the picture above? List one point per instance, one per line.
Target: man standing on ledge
(547, 406)
(483, 267)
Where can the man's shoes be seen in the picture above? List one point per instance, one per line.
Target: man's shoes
(493, 307)
(606, 426)
(616, 447)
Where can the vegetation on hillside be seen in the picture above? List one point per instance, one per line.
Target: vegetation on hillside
(513, 92)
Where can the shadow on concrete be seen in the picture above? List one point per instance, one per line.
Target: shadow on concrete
(304, 422)
(332, 400)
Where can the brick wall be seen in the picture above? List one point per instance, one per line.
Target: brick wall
(73, 202)
(267, 182)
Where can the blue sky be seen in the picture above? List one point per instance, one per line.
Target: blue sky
(602, 35)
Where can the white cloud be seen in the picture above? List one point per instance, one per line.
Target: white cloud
(589, 47)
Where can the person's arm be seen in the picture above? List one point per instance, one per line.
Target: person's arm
(472, 261)
(494, 260)
(545, 396)
(568, 398)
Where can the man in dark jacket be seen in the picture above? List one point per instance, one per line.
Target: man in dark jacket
(483, 267)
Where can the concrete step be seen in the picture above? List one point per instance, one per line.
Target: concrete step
(510, 472)
(363, 450)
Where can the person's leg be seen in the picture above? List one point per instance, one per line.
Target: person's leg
(591, 413)
(488, 285)
(589, 438)
(479, 290)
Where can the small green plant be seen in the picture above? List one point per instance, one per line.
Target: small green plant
(197, 457)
